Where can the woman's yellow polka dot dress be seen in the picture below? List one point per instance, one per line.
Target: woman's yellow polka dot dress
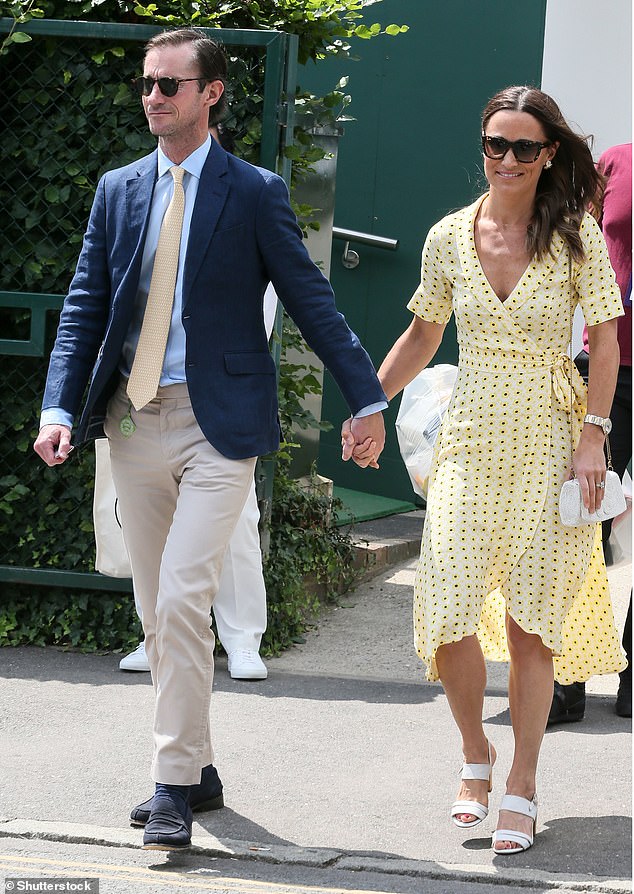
(492, 539)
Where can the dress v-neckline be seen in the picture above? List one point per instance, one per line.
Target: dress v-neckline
(502, 301)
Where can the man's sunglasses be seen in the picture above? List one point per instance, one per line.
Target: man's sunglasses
(525, 151)
(167, 86)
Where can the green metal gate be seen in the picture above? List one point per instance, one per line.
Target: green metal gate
(53, 95)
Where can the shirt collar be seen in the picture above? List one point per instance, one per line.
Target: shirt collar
(193, 164)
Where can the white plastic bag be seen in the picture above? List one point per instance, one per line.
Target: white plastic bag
(423, 405)
(621, 533)
(112, 556)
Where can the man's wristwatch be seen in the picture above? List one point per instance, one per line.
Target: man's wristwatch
(601, 421)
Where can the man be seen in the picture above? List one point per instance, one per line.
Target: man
(164, 317)
(240, 603)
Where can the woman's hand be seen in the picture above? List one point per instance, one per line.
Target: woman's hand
(589, 467)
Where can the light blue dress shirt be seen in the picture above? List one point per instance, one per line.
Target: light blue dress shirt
(174, 362)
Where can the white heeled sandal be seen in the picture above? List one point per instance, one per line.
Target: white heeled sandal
(479, 811)
(523, 841)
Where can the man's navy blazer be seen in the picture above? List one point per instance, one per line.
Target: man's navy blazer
(243, 234)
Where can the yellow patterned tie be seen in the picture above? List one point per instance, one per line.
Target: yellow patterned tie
(150, 353)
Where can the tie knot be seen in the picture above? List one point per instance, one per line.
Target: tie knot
(177, 173)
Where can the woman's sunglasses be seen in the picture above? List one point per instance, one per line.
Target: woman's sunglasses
(167, 86)
(525, 151)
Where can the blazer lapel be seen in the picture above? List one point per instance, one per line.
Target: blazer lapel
(139, 190)
(210, 200)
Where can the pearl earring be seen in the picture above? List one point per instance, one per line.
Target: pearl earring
(548, 164)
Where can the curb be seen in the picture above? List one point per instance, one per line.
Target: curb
(374, 551)
(208, 845)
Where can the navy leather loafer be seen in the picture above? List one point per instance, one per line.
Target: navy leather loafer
(167, 829)
(206, 795)
(569, 703)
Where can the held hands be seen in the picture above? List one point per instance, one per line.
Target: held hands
(589, 468)
(53, 444)
(363, 439)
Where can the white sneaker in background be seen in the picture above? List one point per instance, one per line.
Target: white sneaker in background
(246, 664)
(135, 661)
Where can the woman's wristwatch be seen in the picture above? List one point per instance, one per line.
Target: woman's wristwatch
(602, 421)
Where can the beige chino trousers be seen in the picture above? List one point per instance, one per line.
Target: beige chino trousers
(180, 500)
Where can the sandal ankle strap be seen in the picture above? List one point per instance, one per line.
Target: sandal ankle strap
(478, 771)
(475, 771)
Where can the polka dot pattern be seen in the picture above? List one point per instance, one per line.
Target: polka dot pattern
(493, 540)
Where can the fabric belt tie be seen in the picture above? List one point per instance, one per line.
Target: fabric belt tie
(567, 383)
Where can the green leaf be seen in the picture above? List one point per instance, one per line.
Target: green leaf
(363, 31)
(122, 96)
(292, 152)
(19, 37)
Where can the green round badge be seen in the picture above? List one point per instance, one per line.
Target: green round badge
(127, 426)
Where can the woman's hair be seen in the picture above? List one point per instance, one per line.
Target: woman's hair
(209, 55)
(566, 189)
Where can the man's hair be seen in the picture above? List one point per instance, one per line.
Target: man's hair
(209, 55)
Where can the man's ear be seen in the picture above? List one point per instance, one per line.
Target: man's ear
(214, 90)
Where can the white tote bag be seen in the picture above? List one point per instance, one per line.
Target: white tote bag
(112, 557)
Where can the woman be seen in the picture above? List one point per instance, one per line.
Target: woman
(499, 576)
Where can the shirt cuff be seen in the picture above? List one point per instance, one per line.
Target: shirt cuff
(56, 416)
(371, 408)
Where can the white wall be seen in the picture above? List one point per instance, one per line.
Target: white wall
(587, 67)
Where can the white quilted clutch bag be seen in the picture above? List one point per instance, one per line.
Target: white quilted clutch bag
(573, 512)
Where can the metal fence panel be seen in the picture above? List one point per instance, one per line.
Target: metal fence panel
(54, 96)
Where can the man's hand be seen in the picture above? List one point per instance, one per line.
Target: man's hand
(363, 439)
(53, 444)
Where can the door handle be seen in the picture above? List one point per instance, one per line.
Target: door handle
(350, 258)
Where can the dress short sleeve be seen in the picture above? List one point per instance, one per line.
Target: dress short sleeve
(594, 279)
(432, 300)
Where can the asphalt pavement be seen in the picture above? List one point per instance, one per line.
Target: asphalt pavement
(339, 769)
